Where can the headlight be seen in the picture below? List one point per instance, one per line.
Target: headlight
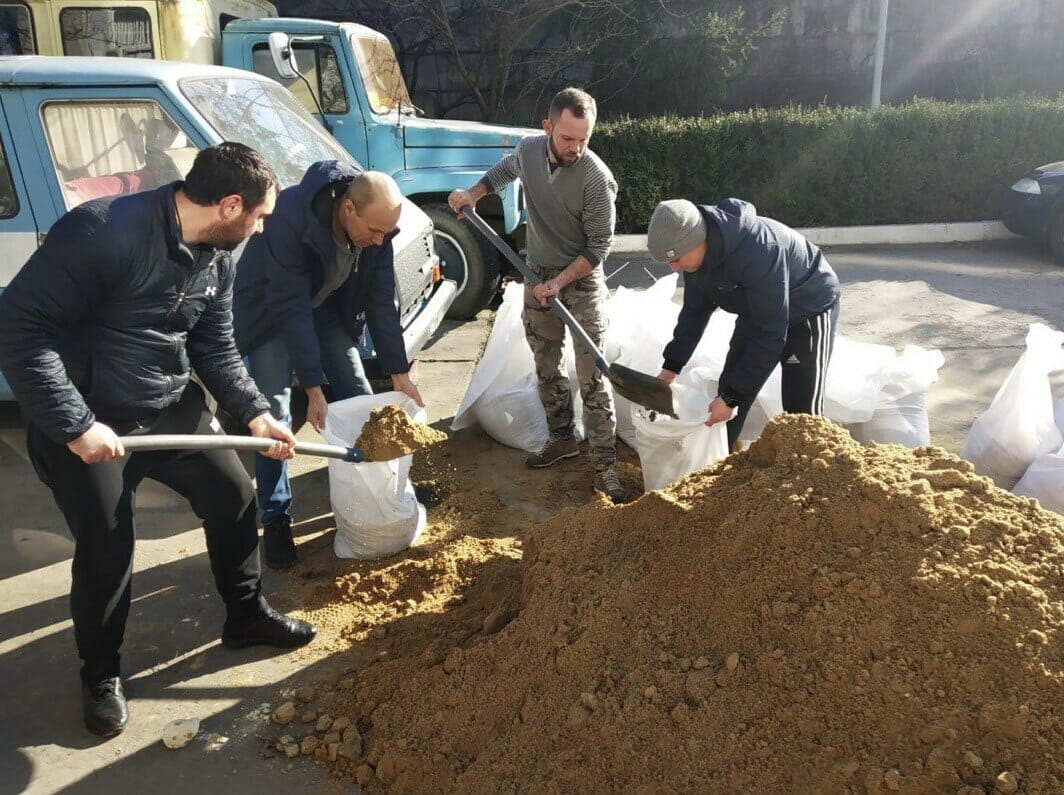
(1027, 185)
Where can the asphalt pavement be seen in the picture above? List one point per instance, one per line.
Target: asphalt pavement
(974, 302)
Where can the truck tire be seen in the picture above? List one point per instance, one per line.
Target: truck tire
(463, 258)
(1055, 232)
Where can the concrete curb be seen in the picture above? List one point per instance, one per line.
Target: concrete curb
(887, 234)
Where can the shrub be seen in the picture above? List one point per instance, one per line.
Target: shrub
(920, 162)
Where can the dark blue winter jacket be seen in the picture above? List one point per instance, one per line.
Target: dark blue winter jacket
(107, 316)
(284, 267)
(762, 271)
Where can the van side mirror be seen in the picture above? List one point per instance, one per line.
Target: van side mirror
(284, 55)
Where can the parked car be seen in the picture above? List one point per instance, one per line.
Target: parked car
(75, 129)
(1034, 207)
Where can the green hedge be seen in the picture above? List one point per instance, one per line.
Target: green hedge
(920, 162)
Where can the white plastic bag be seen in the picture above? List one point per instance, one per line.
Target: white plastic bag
(1044, 480)
(900, 415)
(671, 449)
(856, 375)
(503, 394)
(1018, 427)
(903, 422)
(373, 503)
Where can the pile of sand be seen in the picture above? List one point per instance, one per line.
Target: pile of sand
(806, 616)
(390, 433)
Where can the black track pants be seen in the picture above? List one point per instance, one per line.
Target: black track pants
(804, 362)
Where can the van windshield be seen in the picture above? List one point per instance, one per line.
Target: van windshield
(266, 117)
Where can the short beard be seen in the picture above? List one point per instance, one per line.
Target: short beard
(558, 158)
(224, 237)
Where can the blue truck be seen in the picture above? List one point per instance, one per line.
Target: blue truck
(79, 128)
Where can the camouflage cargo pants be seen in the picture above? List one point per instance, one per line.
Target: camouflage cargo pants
(545, 332)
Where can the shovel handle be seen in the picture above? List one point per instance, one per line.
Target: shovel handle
(522, 268)
(194, 441)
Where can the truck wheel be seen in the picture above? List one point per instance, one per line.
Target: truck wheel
(1055, 232)
(464, 260)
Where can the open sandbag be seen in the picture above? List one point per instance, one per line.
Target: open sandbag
(373, 503)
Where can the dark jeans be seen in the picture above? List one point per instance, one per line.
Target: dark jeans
(804, 363)
(272, 370)
(98, 501)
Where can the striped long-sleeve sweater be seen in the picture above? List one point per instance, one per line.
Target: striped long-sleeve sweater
(570, 208)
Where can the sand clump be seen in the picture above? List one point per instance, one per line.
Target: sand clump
(808, 615)
(390, 433)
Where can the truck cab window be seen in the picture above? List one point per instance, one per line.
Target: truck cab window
(385, 87)
(16, 30)
(122, 32)
(318, 64)
(106, 148)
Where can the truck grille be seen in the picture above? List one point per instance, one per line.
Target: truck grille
(412, 278)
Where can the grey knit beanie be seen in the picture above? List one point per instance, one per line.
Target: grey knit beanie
(675, 228)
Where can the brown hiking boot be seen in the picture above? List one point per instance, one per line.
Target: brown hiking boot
(556, 448)
(607, 482)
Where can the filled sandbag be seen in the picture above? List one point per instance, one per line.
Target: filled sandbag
(503, 393)
(1019, 426)
(1044, 480)
(373, 502)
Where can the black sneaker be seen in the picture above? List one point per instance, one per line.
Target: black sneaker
(267, 627)
(278, 548)
(104, 706)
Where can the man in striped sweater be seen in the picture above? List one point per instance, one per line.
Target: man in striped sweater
(779, 284)
(570, 196)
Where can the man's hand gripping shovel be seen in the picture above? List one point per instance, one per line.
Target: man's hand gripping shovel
(641, 388)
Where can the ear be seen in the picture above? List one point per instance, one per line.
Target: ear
(547, 126)
(230, 206)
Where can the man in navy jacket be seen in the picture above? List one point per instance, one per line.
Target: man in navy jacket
(97, 334)
(306, 288)
(779, 284)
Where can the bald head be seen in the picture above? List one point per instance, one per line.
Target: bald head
(371, 188)
(369, 210)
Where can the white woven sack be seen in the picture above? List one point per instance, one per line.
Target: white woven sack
(1018, 427)
(503, 394)
(669, 449)
(904, 422)
(1044, 480)
(373, 503)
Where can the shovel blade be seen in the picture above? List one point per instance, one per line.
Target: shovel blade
(641, 388)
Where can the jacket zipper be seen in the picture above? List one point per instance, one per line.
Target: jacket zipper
(183, 292)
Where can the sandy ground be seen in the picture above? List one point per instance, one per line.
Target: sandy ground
(973, 302)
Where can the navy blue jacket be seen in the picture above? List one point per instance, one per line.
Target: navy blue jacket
(282, 269)
(762, 271)
(105, 319)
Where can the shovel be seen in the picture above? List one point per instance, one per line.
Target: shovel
(177, 441)
(641, 388)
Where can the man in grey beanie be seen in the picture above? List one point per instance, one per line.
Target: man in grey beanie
(779, 284)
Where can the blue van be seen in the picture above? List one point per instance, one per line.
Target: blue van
(75, 129)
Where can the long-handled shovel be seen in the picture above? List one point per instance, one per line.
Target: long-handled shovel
(641, 388)
(177, 441)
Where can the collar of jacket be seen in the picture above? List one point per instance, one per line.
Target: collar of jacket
(179, 252)
(319, 236)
